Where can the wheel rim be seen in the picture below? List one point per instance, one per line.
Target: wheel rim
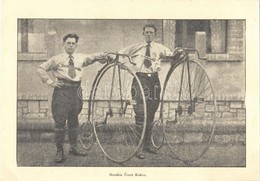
(86, 135)
(188, 127)
(157, 134)
(117, 137)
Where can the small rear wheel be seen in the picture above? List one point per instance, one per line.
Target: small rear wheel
(86, 135)
(157, 134)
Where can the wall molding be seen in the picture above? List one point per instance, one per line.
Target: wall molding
(31, 57)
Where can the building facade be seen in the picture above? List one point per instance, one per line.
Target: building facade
(220, 42)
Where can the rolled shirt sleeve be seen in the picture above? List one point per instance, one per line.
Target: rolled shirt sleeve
(92, 58)
(44, 68)
(59, 64)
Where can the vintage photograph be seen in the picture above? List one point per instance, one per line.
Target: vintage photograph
(131, 93)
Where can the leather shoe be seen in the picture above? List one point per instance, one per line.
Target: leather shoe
(77, 152)
(59, 155)
(140, 155)
(152, 150)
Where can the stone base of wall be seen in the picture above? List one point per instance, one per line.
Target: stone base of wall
(32, 106)
(33, 115)
(38, 106)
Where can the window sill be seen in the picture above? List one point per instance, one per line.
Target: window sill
(224, 57)
(217, 57)
(31, 56)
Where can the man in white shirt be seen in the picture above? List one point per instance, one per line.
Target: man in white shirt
(66, 100)
(146, 55)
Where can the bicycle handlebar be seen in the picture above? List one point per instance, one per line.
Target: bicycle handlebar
(194, 50)
(185, 52)
(122, 55)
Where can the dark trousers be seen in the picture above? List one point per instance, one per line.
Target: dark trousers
(152, 89)
(66, 106)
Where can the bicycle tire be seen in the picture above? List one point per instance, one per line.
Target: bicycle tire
(86, 135)
(188, 126)
(158, 137)
(116, 133)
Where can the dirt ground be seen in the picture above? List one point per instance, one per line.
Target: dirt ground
(42, 154)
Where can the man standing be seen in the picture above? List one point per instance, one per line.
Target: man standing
(66, 100)
(147, 55)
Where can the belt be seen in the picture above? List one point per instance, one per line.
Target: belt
(70, 83)
(155, 74)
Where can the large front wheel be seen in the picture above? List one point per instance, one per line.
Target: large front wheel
(113, 107)
(188, 110)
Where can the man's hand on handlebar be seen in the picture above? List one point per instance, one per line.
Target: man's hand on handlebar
(114, 57)
(106, 57)
(162, 56)
(110, 57)
(179, 53)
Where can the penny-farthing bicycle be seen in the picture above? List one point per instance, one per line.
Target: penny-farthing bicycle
(111, 112)
(187, 111)
(188, 108)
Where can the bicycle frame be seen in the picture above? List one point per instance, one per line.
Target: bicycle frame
(184, 57)
(122, 109)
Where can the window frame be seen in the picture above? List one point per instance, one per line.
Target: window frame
(24, 28)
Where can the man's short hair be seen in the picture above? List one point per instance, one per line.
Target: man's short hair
(150, 26)
(71, 35)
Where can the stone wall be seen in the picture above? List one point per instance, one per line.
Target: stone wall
(37, 106)
(32, 106)
(33, 111)
(225, 108)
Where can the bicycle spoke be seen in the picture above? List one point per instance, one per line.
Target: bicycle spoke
(115, 136)
(185, 136)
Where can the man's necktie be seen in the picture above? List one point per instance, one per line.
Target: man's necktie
(147, 62)
(72, 71)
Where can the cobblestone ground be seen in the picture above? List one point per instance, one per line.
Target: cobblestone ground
(42, 154)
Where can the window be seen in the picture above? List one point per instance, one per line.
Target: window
(31, 36)
(213, 30)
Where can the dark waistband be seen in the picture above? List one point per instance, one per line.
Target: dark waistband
(155, 74)
(69, 82)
